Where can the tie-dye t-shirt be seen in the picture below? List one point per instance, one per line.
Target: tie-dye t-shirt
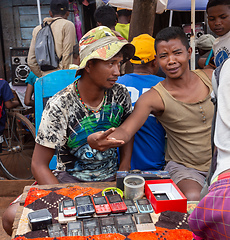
(66, 124)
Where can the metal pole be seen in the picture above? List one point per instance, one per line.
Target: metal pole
(39, 12)
(193, 33)
(170, 18)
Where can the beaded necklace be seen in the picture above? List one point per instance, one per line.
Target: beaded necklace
(86, 107)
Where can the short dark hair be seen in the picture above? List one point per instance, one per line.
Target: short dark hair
(170, 33)
(213, 3)
(124, 12)
(58, 12)
(59, 7)
(105, 15)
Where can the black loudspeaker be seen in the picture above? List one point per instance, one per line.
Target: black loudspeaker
(19, 68)
(199, 30)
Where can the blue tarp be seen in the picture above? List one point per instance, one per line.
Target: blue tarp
(175, 5)
(185, 5)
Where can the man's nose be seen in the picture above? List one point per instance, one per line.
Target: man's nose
(218, 21)
(171, 59)
(116, 69)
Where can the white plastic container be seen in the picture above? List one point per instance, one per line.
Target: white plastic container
(134, 187)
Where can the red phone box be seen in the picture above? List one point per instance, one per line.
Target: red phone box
(164, 195)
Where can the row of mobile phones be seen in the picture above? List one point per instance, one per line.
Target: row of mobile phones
(124, 224)
(87, 206)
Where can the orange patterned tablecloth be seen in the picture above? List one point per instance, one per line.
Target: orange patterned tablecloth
(50, 198)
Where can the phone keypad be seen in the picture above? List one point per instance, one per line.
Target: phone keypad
(118, 206)
(103, 208)
(70, 211)
(125, 229)
(109, 229)
(145, 208)
(131, 209)
(87, 209)
(76, 232)
(91, 231)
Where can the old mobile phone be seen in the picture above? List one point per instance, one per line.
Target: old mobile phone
(116, 203)
(108, 225)
(91, 226)
(84, 205)
(131, 207)
(55, 230)
(75, 228)
(144, 222)
(61, 218)
(125, 224)
(69, 208)
(144, 206)
(160, 196)
(101, 205)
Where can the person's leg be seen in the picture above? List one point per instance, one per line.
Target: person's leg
(191, 189)
(189, 180)
(8, 218)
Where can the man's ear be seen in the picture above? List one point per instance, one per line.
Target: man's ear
(87, 66)
(189, 52)
(50, 13)
(66, 15)
(155, 66)
(116, 15)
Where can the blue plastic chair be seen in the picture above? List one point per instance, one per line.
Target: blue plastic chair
(44, 88)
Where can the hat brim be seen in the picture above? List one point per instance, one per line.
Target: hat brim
(107, 52)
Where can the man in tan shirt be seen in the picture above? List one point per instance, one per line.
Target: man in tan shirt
(64, 37)
(182, 104)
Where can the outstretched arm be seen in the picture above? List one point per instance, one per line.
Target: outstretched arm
(125, 155)
(149, 102)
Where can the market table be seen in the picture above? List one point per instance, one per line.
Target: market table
(168, 223)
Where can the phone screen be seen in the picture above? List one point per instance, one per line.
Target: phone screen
(129, 202)
(83, 200)
(143, 218)
(108, 221)
(99, 200)
(68, 203)
(116, 198)
(124, 220)
(74, 225)
(143, 202)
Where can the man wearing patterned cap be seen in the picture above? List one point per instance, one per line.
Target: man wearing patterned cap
(94, 102)
(149, 143)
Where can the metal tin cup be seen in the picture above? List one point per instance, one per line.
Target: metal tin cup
(134, 187)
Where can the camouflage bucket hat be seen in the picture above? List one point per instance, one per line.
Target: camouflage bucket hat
(102, 43)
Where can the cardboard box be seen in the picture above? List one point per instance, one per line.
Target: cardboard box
(164, 195)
